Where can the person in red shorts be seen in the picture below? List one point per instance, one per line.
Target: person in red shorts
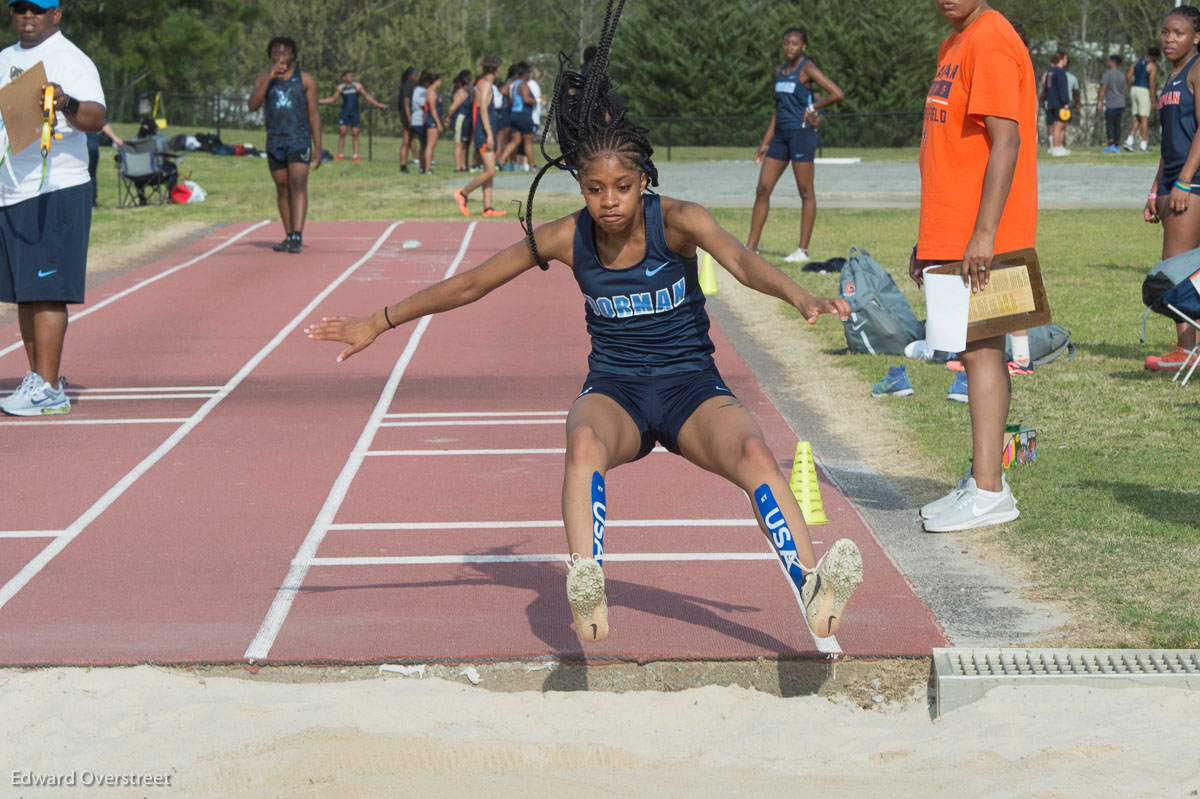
(978, 197)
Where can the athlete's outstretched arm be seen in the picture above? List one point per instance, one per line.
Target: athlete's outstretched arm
(751, 269)
(554, 241)
(337, 92)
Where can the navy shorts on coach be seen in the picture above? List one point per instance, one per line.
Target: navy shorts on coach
(43, 246)
(659, 406)
(796, 145)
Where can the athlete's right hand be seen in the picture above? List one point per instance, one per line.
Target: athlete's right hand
(1150, 212)
(760, 153)
(357, 331)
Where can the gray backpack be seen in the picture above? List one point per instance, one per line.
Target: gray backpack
(881, 320)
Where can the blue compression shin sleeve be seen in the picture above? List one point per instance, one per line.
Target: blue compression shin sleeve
(772, 517)
(598, 510)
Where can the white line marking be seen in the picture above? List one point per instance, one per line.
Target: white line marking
(541, 523)
(31, 533)
(56, 421)
(394, 453)
(139, 389)
(467, 414)
(92, 308)
(260, 647)
(470, 422)
(39, 561)
(626, 557)
(99, 397)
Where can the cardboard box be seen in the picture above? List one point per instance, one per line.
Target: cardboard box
(1020, 445)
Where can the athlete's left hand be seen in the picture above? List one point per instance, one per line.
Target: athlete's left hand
(357, 331)
(812, 307)
(813, 118)
(1177, 202)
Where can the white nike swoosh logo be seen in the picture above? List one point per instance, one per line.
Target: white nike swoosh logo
(652, 273)
(721, 388)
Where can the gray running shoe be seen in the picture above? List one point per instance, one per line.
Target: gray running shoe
(828, 587)
(40, 399)
(585, 592)
(971, 510)
(931, 509)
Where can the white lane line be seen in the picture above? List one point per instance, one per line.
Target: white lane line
(31, 533)
(541, 523)
(51, 420)
(31, 569)
(395, 453)
(100, 397)
(141, 285)
(138, 389)
(260, 647)
(471, 422)
(471, 414)
(625, 557)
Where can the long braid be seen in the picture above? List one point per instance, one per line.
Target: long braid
(588, 119)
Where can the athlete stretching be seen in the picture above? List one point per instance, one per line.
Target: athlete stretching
(652, 376)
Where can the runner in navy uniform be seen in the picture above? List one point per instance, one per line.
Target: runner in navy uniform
(792, 136)
(293, 135)
(1177, 181)
(349, 118)
(651, 372)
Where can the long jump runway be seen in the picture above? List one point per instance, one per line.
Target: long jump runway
(224, 491)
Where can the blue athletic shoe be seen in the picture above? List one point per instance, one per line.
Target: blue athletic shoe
(896, 384)
(958, 389)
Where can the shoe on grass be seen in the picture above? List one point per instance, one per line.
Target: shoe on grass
(829, 586)
(958, 389)
(1167, 363)
(585, 593)
(972, 509)
(896, 384)
(798, 257)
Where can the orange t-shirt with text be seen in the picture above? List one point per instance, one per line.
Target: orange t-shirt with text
(983, 71)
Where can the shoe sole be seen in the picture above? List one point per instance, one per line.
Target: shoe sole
(904, 392)
(1159, 366)
(585, 593)
(830, 586)
(957, 397)
(986, 520)
(56, 410)
(462, 203)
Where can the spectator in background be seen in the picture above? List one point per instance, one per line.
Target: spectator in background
(349, 118)
(93, 148)
(1143, 95)
(460, 119)
(46, 204)
(1111, 100)
(1056, 96)
(407, 85)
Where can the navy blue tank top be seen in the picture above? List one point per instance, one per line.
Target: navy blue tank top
(349, 99)
(287, 112)
(1141, 75)
(791, 98)
(648, 319)
(1177, 113)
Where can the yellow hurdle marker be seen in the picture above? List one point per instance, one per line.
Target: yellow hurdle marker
(708, 280)
(804, 485)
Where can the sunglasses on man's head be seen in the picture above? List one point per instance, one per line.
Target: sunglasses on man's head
(24, 8)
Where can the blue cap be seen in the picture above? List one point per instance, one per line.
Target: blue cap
(38, 3)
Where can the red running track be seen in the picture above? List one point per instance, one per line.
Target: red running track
(222, 490)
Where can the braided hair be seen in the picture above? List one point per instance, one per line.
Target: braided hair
(588, 118)
(1190, 13)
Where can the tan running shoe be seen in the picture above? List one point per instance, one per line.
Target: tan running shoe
(585, 592)
(828, 587)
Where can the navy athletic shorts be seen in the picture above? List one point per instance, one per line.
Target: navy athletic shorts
(522, 121)
(279, 157)
(659, 406)
(794, 145)
(350, 119)
(43, 246)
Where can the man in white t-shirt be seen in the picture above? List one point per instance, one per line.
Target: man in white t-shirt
(46, 204)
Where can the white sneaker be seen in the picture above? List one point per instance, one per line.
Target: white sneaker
(972, 510)
(1144, 146)
(931, 509)
(798, 257)
(1129, 143)
(36, 397)
(585, 593)
(828, 587)
(1059, 152)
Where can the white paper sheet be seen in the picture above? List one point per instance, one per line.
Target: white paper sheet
(947, 303)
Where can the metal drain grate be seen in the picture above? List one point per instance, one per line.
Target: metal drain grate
(964, 675)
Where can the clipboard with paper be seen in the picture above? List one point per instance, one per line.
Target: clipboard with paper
(21, 108)
(1014, 298)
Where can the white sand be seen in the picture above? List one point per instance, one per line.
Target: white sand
(401, 736)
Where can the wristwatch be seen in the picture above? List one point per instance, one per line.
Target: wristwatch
(70, 105)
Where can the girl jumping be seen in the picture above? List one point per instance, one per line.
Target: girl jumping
(652, 377)
(792, 136)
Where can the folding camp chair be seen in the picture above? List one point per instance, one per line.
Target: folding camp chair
(1172, 288)
(1183, 300)
(142, 179)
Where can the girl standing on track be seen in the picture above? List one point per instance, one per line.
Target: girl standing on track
(460, 119)
(1177, 181)
(652, 376)
(792, 136)
(978, 196)
(483, 124)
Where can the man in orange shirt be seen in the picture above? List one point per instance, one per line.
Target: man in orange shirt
(978, 196)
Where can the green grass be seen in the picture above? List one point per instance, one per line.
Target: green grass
(1110, 509)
